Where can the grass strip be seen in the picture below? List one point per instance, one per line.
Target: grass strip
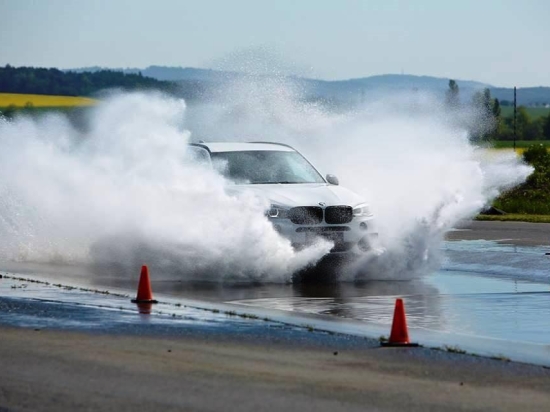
(516, 217)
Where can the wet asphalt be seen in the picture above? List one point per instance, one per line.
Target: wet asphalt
(43, 307)
(490, 297)
(512, 233)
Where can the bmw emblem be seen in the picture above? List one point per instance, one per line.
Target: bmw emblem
(322, 204)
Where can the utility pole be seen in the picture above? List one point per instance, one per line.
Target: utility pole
(515, 104)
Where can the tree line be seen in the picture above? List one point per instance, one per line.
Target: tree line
(57, 82)
(495, 126)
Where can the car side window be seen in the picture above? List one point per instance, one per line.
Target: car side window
(199, 155)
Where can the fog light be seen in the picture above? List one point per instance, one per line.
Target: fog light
(363, 226)
(364, 244)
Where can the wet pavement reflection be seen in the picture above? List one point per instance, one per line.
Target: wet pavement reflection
(484, 289)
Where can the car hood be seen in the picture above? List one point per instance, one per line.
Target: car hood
(308, 194)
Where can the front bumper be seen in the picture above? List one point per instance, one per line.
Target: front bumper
(356, 237)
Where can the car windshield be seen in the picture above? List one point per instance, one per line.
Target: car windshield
(265, 167)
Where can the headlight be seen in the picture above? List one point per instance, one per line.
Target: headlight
(277, 212)
(362, 210)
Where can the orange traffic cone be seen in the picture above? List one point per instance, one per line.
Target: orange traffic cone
(399, 334)
(144, 292)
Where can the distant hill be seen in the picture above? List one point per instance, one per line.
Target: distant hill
(366, 87)
(527, 96)
(407, 81)
(377, 86)
(373, 87)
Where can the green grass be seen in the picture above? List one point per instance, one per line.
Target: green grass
(515, 203)
(508, 144)
(534, 112)
(501, 358)
(516, 217)
(454, 349)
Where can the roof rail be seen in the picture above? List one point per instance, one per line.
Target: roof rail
(200, 145)
(277, 143)
(204, 145)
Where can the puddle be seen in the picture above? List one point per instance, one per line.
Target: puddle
(39, 305)
(486, 296)
(490, 258)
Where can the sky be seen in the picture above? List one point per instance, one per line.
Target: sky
(499, 42)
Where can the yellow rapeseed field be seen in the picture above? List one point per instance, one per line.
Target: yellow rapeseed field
(37, 100)
(519, 150)
(501, 150)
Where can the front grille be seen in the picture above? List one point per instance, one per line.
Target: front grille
(342, 247)
(307, 215)
(323, 229)
(338, 215)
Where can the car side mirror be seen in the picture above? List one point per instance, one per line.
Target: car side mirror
(333, 180)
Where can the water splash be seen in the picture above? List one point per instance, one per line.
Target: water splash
(124, 192)
(407, 154)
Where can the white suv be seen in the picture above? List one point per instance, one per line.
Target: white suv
(304, 205)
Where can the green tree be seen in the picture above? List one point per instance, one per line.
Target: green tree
(487, 102)
(452, 96)
(532, 196)
(9, 112)
(477, 99)
(537, 155)
(534, 130)
(546, 127)
(496, 109)
(28, 108)
(482, 101)
(57, 82)
(487, 122)
(497, 119)
(539, 158)
(523, 121)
